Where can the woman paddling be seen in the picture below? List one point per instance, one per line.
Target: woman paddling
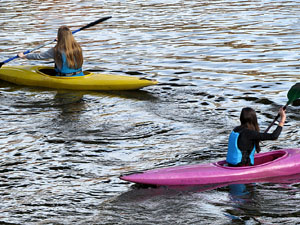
(67, 54)
(244, 139)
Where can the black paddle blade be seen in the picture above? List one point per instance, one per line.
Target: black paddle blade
(95, 22)
(294, 93)
(1, 64)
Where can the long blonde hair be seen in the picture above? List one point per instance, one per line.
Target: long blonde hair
(67, 44)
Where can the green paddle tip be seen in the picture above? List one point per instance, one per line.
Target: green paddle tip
(294, 93)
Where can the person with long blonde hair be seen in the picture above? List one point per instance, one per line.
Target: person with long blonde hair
(67, 54)
(244, 139)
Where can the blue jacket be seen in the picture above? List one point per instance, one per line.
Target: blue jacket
(49, 54)
(65, 69)
(234, 154)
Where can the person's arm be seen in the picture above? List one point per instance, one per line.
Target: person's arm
(270, 136)
(282, 117)
(49, 54)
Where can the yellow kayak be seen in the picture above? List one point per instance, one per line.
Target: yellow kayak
(41, 76)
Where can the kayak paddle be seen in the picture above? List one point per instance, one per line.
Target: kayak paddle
(293, 94)
(50, 42)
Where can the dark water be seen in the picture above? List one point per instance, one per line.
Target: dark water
(63, 151)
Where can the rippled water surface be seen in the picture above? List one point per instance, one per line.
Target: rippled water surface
(63, 151)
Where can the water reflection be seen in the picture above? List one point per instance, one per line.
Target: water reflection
(67, 97)
(70, 106)
(242, 202)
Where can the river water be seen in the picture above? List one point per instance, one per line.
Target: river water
(62, 151)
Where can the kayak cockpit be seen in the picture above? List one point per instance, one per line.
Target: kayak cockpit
(260, 159)
(266, 158)
(50, 71)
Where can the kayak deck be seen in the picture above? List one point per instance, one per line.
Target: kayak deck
(43, 76)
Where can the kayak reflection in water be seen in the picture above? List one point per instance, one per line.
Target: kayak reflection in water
(244, 139)
(67, 54)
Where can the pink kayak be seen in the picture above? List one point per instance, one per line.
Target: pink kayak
(278, 163)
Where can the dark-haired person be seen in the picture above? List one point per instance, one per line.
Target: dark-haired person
(244, 139)
(67, 54)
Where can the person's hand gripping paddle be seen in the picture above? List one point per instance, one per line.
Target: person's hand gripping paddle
(293, 94)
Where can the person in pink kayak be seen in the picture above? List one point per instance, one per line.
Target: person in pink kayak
(244, 139)
(67, 54)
